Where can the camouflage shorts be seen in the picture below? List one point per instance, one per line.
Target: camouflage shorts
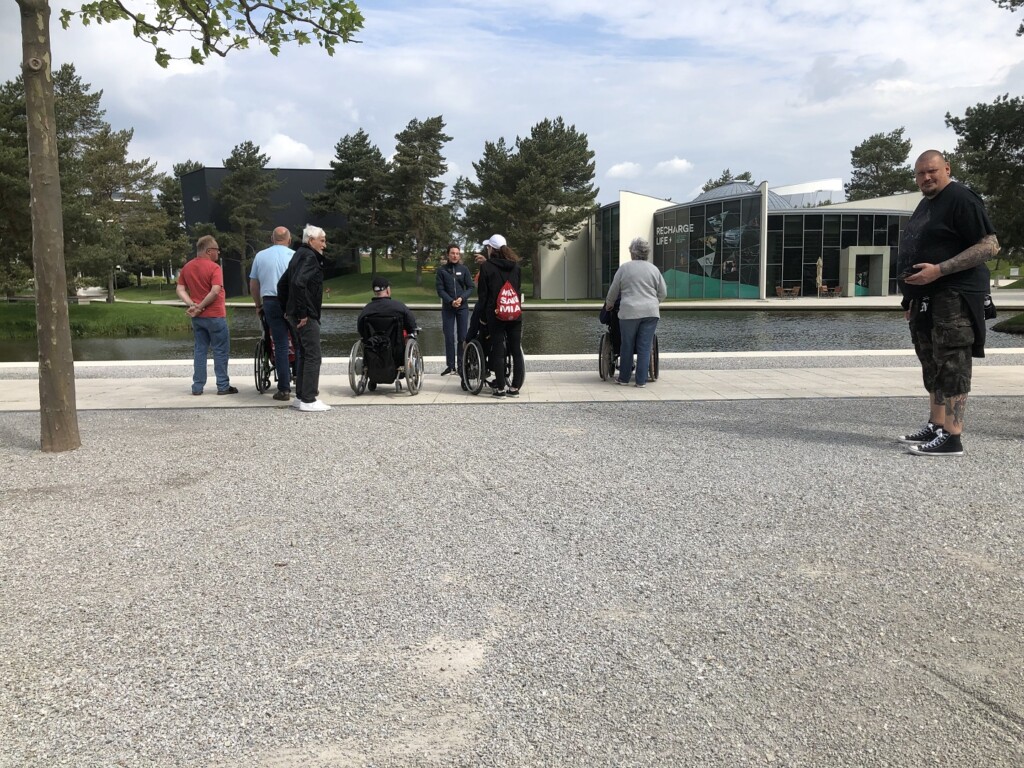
(943, 337)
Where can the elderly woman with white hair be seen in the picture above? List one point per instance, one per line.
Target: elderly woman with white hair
(639, 288)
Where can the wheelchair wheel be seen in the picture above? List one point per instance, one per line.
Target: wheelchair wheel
(474, 370)
(653, 373)
(356, 370)
(413, 366)
(605, 366)
(261, 366)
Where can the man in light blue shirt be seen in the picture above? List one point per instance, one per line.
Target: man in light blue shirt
(267, 268)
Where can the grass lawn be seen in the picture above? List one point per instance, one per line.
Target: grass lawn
(100, 320)
(347, 289)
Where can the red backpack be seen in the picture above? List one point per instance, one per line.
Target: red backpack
(508, 307)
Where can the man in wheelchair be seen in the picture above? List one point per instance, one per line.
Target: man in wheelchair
(383, 326)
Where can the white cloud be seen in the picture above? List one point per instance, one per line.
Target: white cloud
(677, 166)
(285, 152)
(624, 171)
(782, 88)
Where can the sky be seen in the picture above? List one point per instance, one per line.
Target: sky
(669, 93)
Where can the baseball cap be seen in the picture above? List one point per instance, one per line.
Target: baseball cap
(496, 242)
(380, 284)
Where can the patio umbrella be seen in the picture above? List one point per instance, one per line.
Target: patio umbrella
(817, 274)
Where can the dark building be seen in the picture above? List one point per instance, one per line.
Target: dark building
(289, 208)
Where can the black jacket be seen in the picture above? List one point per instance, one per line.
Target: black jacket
(384, 306)
(493, 274)
(454, 281)
(301, 288)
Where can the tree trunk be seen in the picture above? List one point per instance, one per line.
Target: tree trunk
(57, 406)
(111, 286)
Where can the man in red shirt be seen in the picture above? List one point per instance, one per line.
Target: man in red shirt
(201, 287)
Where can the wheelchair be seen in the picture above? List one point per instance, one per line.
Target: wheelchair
(263, 358)
(474, 367)
(387, 356)
(608, 355)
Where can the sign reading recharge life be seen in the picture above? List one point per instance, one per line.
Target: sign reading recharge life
(662, 234)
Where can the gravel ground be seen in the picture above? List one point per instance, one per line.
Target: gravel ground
(619, 584)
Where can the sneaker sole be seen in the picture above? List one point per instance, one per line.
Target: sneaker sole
(907, 441)
(914, 450)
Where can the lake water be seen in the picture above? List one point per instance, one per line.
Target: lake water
(562, 332)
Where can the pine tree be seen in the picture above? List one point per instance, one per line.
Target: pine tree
(420, 221)
(536, 194)
(880, 167)
(244, 196)
(356, 188)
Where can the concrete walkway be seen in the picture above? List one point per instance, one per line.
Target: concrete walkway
(684, 377)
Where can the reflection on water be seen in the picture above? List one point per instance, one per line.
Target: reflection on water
(562, 332)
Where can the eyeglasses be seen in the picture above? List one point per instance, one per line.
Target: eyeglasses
(214, 250)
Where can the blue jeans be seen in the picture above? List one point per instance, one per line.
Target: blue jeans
(274, 314)
(454, 323)
(637, 334)
(210, 332)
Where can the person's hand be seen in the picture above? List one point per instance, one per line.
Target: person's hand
(302, 322)
(927, 273)
(457, 303)
(259, 310)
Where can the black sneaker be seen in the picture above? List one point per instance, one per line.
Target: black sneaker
(447, 371)
(513, 392)
(228, 391)
(282, 396)
(944, 444)
(499, 393)
(925, 434)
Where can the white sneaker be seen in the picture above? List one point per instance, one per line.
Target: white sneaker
(316, 405)
(295, 403)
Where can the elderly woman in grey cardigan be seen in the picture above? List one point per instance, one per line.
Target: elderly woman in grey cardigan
(641, 288)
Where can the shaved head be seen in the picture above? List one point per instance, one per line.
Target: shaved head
(281, 235)
(931, 173)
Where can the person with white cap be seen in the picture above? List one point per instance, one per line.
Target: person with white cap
(499, 292)
(641, 287)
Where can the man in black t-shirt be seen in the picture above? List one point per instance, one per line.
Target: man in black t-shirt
(944, 279)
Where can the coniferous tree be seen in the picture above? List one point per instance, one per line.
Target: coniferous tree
(880, 167)
(420, 220)
(356, 188)
(245, 197)
(727, 178)
(1012, 6)
(536, 194)
(171, 201)
(990, 149)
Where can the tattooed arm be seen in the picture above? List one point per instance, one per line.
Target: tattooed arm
(977, 254)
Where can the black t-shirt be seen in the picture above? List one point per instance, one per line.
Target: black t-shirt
(940, 228)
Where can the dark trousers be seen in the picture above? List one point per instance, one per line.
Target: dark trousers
(454, 323)
(507, 335)
(307, 377)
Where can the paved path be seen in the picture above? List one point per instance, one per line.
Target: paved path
(792, 375)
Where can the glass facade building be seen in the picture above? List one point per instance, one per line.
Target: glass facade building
(710, 248)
